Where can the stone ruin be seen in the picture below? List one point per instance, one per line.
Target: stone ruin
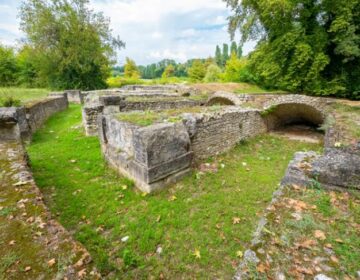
(187, 127)
(158, 154)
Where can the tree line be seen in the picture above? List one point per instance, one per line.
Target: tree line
(304, 46)
(67, 45)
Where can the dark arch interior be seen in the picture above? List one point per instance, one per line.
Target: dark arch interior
(220, 101)
(299, 120)
(294, 114)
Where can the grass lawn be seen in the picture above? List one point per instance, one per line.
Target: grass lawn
(23, 94)
(199, 224)
(234, 87)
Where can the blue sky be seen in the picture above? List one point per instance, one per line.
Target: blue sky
(152, 29)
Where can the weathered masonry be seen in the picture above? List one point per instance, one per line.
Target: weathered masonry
(19, 123)
(153, 98)
(159, 154)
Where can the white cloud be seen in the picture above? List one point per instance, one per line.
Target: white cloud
(151, 29)
(178, 56)
(156, 35)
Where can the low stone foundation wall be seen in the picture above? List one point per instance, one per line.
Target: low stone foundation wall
(115, 104)
(76, 96)
(13, 124)
(19, 123)
(215, 133)
(39, 112)
(152, 156)
(158, 155)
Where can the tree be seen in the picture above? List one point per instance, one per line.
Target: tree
(225, 54)
(197, 70)
(131, 70)
(169, 71)
(239, 52)
(236, 70)
(212, 73)
(8, 67)
(26, 63)
(233, 48)
(74, 45)
(305, 46)
(218, 56)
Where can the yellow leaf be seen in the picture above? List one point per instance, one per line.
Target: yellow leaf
(236, 220)
(319, 235)
(51, 262)
(172, 198)
(124, 187)
(239, 254)
(197, 254)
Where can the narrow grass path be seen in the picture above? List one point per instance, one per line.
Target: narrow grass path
(200, 223)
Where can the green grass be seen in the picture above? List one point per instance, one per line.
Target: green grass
(23, 94)
(254, 89)
(92, 202)
(147, 118)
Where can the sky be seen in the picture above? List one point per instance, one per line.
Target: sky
(152, 29)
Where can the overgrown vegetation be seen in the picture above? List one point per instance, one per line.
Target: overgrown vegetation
(304, 46)
(198, 225)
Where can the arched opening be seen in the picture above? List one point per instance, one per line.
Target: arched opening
(296, 121)
(220, 101)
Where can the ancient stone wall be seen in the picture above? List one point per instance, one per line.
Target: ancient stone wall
(215, 133)
(19, 123)
(293, 108)
(37, 113)
(13, 124)
(152, 156)
(114, 104)
(159, 154)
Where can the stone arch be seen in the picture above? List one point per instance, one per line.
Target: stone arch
(224, 98)
(294, 109)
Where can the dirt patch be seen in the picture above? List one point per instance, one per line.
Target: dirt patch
(300, 133)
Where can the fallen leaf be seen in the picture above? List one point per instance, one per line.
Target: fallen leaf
(51, 262)
(261, 268)
(158, 218)
(12, 242)
(338, 240)
(307, 244)
(334, 259)
(172, 198)
(82, 273)
(305, 270)
(124, 187)
(236, 220)
(197, 254)
(239, 254)
(319, 235)
(28, 268)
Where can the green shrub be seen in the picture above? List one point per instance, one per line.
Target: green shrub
(116, 82)
(9, 101)
(213, 73)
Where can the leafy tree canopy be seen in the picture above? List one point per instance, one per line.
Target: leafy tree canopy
(197, 70)
(131, 70)
(304, 45)
(73, 45)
